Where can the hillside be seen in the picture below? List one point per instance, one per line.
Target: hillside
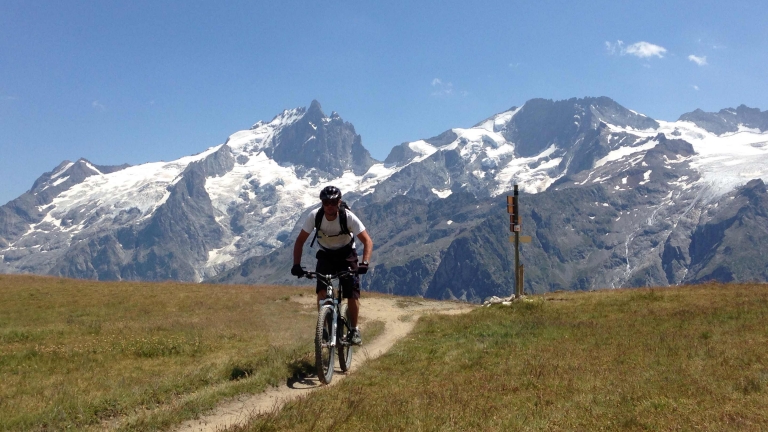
(147, 356)
(89, 355)
(688, 358)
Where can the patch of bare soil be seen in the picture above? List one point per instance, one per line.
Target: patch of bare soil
(399, 317)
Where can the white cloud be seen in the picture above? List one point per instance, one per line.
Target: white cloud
(441, 88)
(695, 87)
(645, 50)
(97, 105)
(701, 61)
(640, 49)
(8, 98)
(613, 48)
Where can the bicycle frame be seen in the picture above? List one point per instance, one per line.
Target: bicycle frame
(333, 298)
(329, 337)
(330, 301)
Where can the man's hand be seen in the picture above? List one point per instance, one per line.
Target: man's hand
(362, 268)
(297, 271)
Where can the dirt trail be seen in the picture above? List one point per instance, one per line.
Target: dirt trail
(399, 317)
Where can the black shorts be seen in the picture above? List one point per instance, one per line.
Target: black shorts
(333, 261)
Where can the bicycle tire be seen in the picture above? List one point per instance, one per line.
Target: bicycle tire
(344, 350)
(324, 352)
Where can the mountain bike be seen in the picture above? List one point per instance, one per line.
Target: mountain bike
(333, 327)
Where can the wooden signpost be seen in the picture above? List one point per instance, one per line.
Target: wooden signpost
(515, 226)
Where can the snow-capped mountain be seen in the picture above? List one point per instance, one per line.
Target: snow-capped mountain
(616, 199)
(187, 218)
(230, 212)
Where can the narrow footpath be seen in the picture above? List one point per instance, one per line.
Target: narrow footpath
(399, 316)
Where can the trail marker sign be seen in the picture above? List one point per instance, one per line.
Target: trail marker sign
(513, 208)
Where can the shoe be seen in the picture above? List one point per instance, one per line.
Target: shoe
(354, 337)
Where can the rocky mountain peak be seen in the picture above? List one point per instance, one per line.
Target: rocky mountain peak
(62, 178)
(315, 111)
(728, 120)
(541, 123)
(607, 110)
(329, 145)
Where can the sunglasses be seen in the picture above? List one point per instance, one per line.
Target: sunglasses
(330, 202)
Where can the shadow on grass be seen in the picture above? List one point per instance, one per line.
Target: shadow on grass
(301, 382)
(302, 375)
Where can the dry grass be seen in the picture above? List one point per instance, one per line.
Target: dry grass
(690, 358)
(140, 356)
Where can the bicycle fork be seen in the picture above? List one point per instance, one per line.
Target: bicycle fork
(332, 336)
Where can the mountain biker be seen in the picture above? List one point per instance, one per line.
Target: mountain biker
(337, 251)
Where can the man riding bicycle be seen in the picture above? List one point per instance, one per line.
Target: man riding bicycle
(336, 236)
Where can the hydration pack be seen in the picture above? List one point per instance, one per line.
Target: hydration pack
(343, 207)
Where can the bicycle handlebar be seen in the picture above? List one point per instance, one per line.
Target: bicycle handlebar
(312, 275)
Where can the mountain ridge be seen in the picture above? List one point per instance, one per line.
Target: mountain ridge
(231, 212)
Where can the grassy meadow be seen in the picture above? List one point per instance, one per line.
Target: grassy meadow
(82, 355)
(686, 358)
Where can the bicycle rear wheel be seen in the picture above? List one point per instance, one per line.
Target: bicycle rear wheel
(344, 348)
(324, 354)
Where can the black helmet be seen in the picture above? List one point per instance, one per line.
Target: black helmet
(330, 193)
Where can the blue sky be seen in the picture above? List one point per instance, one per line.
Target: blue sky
(140, 81)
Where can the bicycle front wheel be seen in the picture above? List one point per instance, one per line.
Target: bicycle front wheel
(343, 346)
(324, 355)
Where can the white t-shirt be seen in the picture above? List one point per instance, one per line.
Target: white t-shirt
(330, 236)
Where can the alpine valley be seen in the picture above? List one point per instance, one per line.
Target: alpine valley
(612, 198)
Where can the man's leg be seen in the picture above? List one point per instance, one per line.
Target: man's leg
(352, 288)
(352, 294)
(354, 310)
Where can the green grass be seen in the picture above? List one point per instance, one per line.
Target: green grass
(690, 358)
(84, 355)
(140, 356)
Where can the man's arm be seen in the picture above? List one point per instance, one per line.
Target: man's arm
(298, 248)
(367, 245)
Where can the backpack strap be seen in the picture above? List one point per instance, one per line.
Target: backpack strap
(318, 221)
(343, 207)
